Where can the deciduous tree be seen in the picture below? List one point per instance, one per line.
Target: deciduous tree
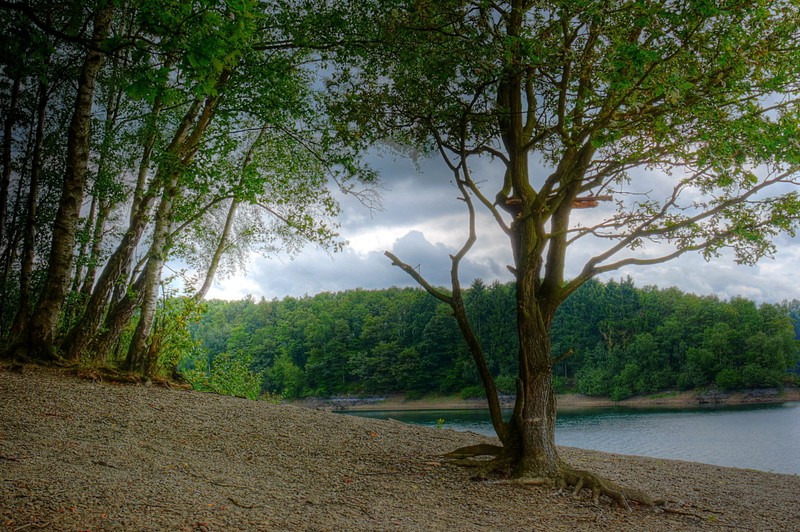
(652, 129)
(165, 100)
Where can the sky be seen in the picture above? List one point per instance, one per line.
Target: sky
(422, 222)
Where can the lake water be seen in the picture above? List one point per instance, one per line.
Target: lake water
(764, 437)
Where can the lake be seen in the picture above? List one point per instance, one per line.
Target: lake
(764, 437)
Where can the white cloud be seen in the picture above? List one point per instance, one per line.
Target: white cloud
(237, 287)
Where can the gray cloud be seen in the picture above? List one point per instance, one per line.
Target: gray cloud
(315, 271)
(422, 222)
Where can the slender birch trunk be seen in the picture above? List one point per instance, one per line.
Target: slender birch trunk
(29, 226)
(224, 238)
(137, 359)
(139, 356)
(41, 330)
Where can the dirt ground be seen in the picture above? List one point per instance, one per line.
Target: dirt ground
(87, 455)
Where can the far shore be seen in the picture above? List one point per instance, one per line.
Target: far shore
(675, 399)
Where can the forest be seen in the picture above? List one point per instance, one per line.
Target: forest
(625, 341)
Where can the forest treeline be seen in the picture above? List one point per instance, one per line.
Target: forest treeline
(624, 341)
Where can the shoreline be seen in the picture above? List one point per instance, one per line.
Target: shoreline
(669, 399)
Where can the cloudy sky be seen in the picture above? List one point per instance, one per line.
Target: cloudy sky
(422, 222)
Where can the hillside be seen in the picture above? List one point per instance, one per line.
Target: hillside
(77, 454)
(625, 342)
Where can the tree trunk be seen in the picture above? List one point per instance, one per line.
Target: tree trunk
(140, 358)
(535, 412)
(137, 359)
(29, 227)
(8, 140)
(116, 319)
(222, 244)
(102, 202)
(95, 250)
(8, 258)
(118, 264)
(41, 330)
(536, 455)
(80, 336)
(83, 248)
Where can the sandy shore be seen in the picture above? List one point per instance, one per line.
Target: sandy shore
(564, 401)
(84, 455)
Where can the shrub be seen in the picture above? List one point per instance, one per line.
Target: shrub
(226, 374)
(506, 384)
(473, 392)
(728, 379)
(594, 381)
(620, 392)
(414, 395)
(756, 376)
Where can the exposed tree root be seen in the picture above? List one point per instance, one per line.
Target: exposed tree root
(467, 456)
(106, 374)
(567, 477)
(579, 479)
(473, 451)
(102, 373)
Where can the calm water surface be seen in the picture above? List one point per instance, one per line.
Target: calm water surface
(765, 437)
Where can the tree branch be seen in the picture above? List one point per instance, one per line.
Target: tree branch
(438, 294)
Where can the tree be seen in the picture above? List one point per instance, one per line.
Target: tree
(652, 129)
(40, 331)
(180, 116)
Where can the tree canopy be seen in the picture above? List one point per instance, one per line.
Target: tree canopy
(137, 133)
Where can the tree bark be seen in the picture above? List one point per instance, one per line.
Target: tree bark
(83, 249)
(95, 249)
(89, 252)
(222, 244)
(535, 411)
(29, 227)
(116, 319)
(536, 455)
(8, 140)
(41, 330)
(118, 264)
(137, 359)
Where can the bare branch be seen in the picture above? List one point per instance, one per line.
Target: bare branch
(438, 294)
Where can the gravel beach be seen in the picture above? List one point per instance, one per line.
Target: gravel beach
(78, 454)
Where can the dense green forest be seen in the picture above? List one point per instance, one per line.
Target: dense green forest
(625, 341)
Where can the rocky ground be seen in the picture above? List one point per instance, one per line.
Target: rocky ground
(89, 455)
